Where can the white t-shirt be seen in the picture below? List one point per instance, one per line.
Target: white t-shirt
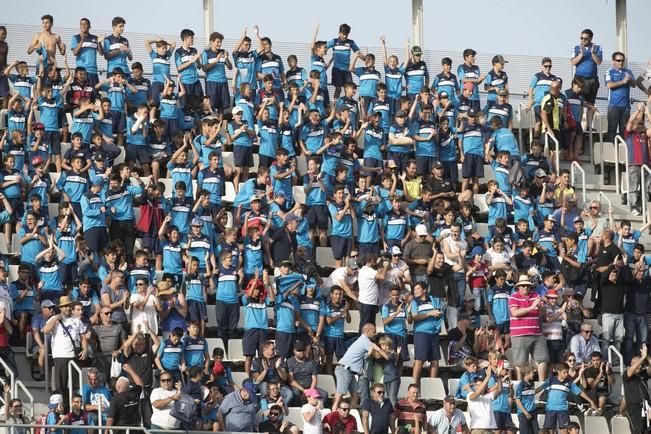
(142, 316)
(338, 276)
(314, 426)
(454, 247)
(481, 412)
(62, 347)
(369, 292)
(162, 417)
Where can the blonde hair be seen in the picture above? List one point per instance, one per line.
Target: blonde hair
(385, 340)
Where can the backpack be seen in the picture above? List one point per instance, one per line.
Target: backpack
(516, 174)
(42, 421)
(184, 409)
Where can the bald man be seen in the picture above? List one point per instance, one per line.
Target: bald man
(352, 365)
(125, 405)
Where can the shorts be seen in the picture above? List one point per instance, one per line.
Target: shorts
(152, 244)
(228, 315)
(196, 311)
(265, 161)
(400, 158)
(340, 246)
(220, 97)
(340, 77)
(536, 114)
(68, 273)
(473, 166)
(590, 89)
(119, 122)
(556, 419)
(334, 346)
(426, 347)
(242, 156)
(92, 78)
(97, 239)
(503, 420)
(53, 140)
(450, 171)
(138, 153)
(345, 380)
(504, 328)
(424, 165)
(366, 248)
(525, 345)
(18, 207)
(372, 163)
(285, 344)
(4, 85)
(400, 341)
(252, 341)
(154, 93)
(193, 89)
(317, 216)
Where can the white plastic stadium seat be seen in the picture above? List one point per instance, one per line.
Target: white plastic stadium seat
(324, 257)
(620, 425)
(169, 188)
(295, 416)
(327, 383)
(214, 343)
(229, 195)
(596, 425)
(299, 194)
(239, 377)
(453, 385)
(353, 325)
(432, 388)
(235, 351)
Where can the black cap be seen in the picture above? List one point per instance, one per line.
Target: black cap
(99, 156)
(472, 111)
(299, 346)
(437, 165)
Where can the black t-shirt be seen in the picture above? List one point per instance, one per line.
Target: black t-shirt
(125, 407)
(283, 245)
(523, 263)
(379, 415)
(268, 427)
(142, 364)
(607, 255)
(602, 386)
(635, 390)
(440, 281)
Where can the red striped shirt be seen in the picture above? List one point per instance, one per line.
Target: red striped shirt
(526, 325)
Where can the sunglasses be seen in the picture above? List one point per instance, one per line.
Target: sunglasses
(547, 66)
(619, 60)
(380, 392)
(584, 38)
(165, 380)
(344, 408)
(586, 331)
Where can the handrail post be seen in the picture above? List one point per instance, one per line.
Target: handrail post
(12, 377)
(47, 362)
(521, 142)
(21, 386)
(557, 150)
(72, 365)
(617, 181)
(603, 195)
(612, 349)
(576, 166)
(603, 167)
(643, 193)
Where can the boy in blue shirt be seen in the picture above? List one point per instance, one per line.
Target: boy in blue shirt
(160, 59)
(525, 401)
(342, 47)
(195, 292)
(50, 107)
(187, 60)
(227, 306)
(497, 203)
(256, 321)
(115, 87)
(342, 214)
(393, 76)
(116, 47)
(241, 134)
(369, 78)
(469, 73)
(331, 325)
(557, 413)
(468, 377)
(214, 62)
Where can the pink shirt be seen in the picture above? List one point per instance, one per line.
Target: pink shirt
(529, 324)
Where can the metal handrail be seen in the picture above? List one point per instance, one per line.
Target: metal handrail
(12, 377)
(643, 193)
(601, 145)
(603, 195)
(55, 428)
(557, 158)
(73, 365)
(576, 166)
(612, 349)
(616, 143)
(525, 113)
(21, 386)
(47, 362)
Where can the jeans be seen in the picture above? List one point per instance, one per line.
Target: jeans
(617, 119)
(635, 188)
(635, 329)
(460, 280)
(392, 388)
(613, 330)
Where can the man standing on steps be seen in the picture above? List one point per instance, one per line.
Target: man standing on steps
(637, 145)
(586, 57)
(619, 81)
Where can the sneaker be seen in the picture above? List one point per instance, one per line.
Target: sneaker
(636, 212)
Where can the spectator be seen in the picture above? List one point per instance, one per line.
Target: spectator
(427, 313)
(448, 419)
(634, 378)
(378, 407)
(340, 420)
(162, 401)
(238, 410)
(411, 412)
(417, 254)
(311, 412)
(302, 372)
(125, 404)
(619, 81)
(613, 290)
(598, 379)
(14, 413)
(584, 344)
(480, 400)
(95, 396)
(637, 136)
(6, 329)
(586, 57)
(268, 368)
(351, 365)
(635, 311)
(464, 341)
(526, 334)
(275, 424)
(370, 275)
(77, 416)
(66, 331)
(109, 338)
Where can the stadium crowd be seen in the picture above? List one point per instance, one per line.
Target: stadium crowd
(211, 193)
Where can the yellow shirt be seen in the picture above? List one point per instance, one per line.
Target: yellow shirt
(414, 187)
